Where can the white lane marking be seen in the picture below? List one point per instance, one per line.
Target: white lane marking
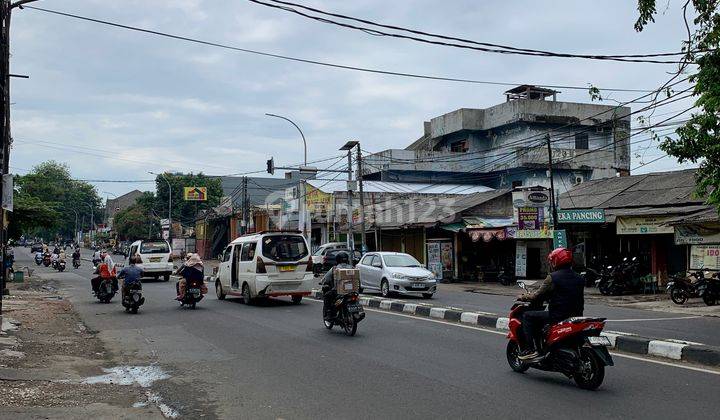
(622, 355)
(653, 319)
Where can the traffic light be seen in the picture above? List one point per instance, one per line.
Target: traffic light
(271, 166)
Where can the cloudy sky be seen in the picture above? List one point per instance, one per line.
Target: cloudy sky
(114, 104)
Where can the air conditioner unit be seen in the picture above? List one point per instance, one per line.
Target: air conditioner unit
(579, 179)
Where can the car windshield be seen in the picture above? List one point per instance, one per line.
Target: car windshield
(154, 248)
(319, 251)
(401, 260)
(284, 247)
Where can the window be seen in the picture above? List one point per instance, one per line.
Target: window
(581, 141)
(248, 252)
(459, 146)
(284, 247)
(376, 262)
(226, 254)
(401, 260)
(160, 247)
(367, 260)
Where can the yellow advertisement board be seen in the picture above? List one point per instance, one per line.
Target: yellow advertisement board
(317, 201)
(648, 225)
(195, 193)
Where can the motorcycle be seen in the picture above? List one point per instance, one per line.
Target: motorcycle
(60, 266)
(620, 279)
(76, 263)
(133, 298)
(193, 294)
(106, 291)
(506, 276)
(573, 347)
(348, 312)
(680, 288)
(38, 258)
(711, 293)
(47, 260)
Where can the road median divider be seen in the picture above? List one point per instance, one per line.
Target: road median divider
(670, 349)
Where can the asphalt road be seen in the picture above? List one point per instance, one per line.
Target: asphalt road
(228, 360)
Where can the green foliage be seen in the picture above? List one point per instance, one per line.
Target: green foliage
(136, 221)
(698, 140)
(50, 188)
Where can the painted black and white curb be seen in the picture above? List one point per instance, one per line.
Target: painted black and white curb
(629, 343)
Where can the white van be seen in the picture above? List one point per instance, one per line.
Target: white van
(266, 264)
(156, 257)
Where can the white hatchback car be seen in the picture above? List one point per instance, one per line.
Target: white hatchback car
(396, 272)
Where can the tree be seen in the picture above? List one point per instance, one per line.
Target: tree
(30, 216)
(697, 140)
(185, 211)
(138, 220)
(51, 185)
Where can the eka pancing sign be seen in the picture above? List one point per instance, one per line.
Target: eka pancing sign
(195, 194)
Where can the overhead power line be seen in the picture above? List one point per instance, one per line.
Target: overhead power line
(477, 46)
(321, 63)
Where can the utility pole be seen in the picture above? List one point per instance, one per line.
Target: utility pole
(350, 240)
(553, 206)
(363, 245)
(244, 205)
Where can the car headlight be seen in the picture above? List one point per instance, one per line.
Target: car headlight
(398, 275)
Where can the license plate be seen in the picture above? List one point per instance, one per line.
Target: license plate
(418, 285)
(599, 341)
(287, 268)
(354, 308)
(194, 291)
(155, 259)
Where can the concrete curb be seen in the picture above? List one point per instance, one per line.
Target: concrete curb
(675, 350)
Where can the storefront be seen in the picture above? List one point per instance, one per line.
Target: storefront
(651, 240)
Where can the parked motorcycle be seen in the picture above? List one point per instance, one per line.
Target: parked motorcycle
(193, 294)
(620, 279)
(506, 276)
(348, 313)
(38, 258)
(573, 347)
(680, 288)
(711, 293)
(133, 298)
(106, 291)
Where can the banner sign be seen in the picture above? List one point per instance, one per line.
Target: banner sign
(581, 216)
(531, 198)
(195, 193)
(534, 234)
(687, 235)
(705, 256)
(559, 239)
(530, 218)
(520, 259)
(649, 225)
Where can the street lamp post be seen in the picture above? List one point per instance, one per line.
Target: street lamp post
(169, 205)
(298, 129)
(92, 222)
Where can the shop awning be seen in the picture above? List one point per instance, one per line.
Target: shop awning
(486, 222)
(454, 227)
(612, 214)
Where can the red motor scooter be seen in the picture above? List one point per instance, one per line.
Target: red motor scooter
(573, 347)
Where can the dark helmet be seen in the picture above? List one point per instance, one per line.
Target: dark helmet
(342, 258)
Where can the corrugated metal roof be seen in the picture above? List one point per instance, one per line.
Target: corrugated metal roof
(400, 187)
(429, 211)
(684, 211)
(648, 190)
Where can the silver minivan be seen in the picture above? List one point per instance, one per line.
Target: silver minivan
(396, 273)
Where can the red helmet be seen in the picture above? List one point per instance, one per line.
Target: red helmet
(560, 257)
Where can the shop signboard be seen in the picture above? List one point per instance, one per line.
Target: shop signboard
(688, 235)
(559, 239)
(317, 201)
(534, 234)
(195, 193)
(705, 256)
(520, 259)
(581, 216)
(530, 218)
(434, 261)
(648, 225)
(531, 198)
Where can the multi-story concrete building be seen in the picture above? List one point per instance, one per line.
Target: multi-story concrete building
(506, 145)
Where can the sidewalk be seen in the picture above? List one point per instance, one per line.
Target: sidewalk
(48, 359)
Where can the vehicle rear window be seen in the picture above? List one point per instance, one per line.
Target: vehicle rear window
(284, 247)
(154, 248)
